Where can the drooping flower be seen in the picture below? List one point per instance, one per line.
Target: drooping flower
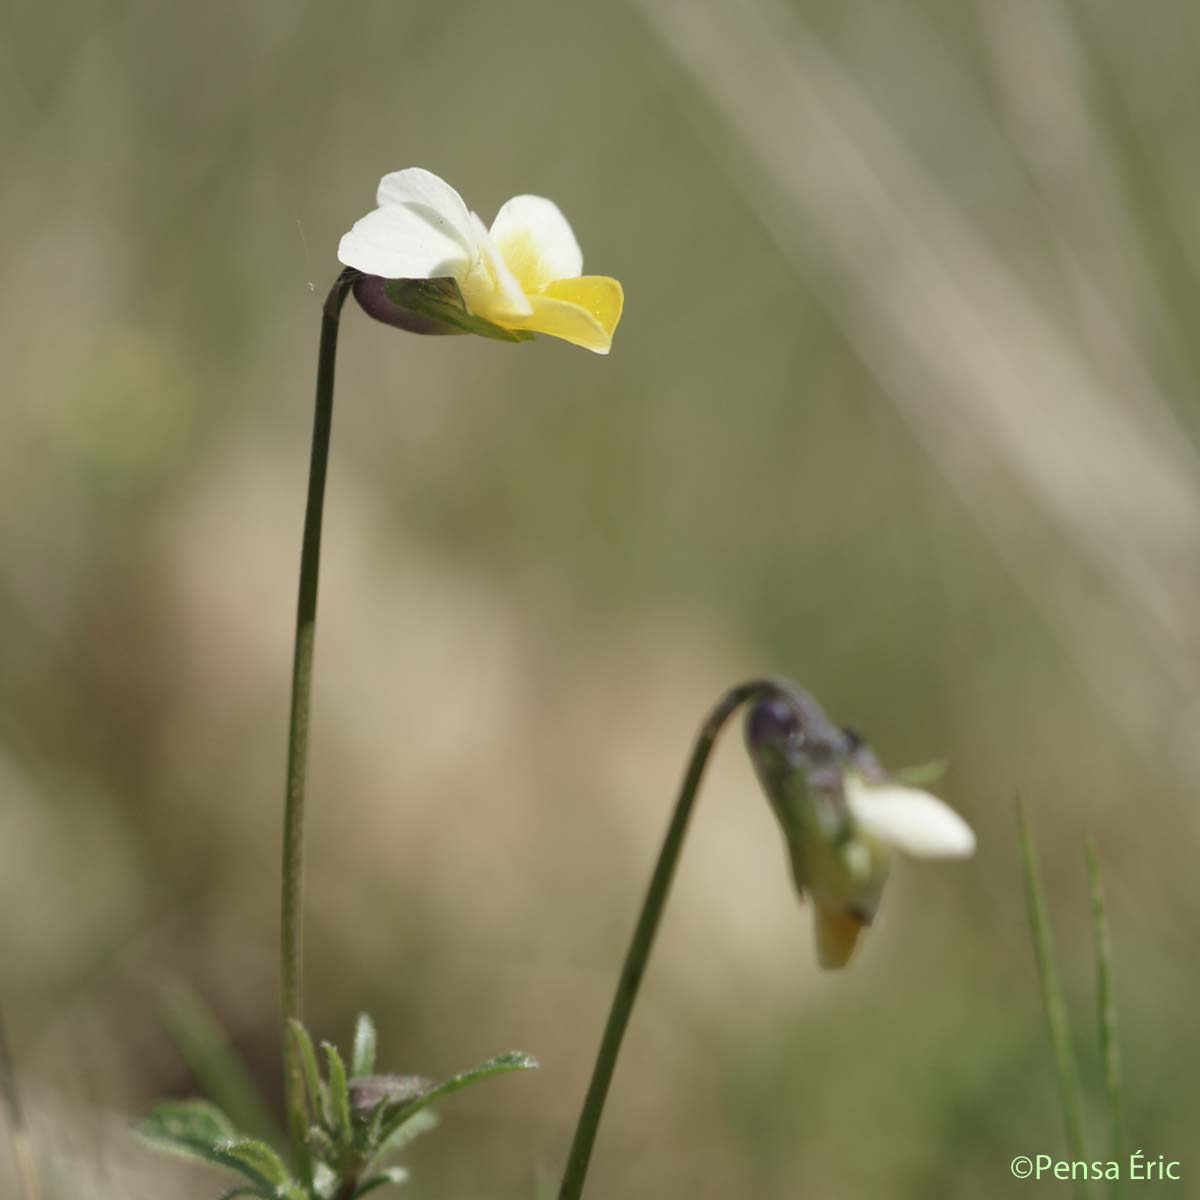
(841, 816)
(521, 276)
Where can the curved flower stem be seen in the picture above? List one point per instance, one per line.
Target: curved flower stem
(644, 933)
(302, 665)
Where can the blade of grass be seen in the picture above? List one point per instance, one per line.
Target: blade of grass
(1057, 1024)
(210, 1056)
(1106, 1005)
(1152, 210)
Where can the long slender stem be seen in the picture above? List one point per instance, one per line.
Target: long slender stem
(291, 939)
(643, 938)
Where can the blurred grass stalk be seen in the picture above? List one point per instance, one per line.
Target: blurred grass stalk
(1070, 1089)
(1106, 1006)
(22, 1146)
(1004, 394)
(209, 1054)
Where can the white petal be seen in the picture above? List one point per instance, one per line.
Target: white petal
(536, 242)
(397, 244)
(421, 230)
(909, 819)
(430, 196)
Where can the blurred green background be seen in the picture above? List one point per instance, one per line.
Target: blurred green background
(903, 406)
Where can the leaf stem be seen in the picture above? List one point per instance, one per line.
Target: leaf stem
(302, 666)
(644, 934)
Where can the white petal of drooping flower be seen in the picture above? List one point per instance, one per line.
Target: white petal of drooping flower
(421, 230)
(909, 819)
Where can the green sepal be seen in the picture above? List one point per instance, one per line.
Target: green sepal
(362, 1061)
(442, 300)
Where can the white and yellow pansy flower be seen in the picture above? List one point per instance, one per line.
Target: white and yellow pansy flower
(523, 275)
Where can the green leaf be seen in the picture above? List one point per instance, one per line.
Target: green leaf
(405, 1133)
(259, 1163)
(390, 1175)
(441, 300)
(205, 1047)
(198, 1130)
(339, 1095)
(244, 1191)
(513, 1060)
(189, 1128)
(318, 1099)
(362, 1061)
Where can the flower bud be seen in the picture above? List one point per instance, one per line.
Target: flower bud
(385, 300)
(367, 1091)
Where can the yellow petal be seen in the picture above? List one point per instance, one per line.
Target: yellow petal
(584, 311)
(602, 296)
(837, 934)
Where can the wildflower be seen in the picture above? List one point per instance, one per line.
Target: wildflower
(522, 276)
(841, 816)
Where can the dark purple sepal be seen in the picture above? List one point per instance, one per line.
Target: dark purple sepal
(372, 294)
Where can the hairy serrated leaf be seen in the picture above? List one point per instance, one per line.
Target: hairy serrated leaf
(190, 1128)
(512, 1060)
(339, 1096)
(257, 1161)
(318, 1100)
